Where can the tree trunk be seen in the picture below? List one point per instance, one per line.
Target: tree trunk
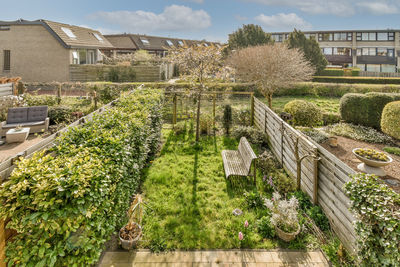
(269, 101)
(198, 118)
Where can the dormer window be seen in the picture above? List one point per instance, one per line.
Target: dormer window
(205, 44)
(98, 37)
(180, 43)
(68, 32)
(145, 41)
(169, 43)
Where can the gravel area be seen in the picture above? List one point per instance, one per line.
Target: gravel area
(10, 150)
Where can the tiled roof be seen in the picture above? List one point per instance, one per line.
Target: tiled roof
(82, 37)
(122, 41)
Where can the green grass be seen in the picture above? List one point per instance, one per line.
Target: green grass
(326, 104)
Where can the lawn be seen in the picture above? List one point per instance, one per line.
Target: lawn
(326, 104)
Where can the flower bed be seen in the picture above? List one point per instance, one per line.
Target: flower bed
(64, 205)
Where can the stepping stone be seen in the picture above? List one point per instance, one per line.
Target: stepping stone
(392, 182)
(237, 212)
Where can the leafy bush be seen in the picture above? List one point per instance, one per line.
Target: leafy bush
(108, 93)
(304, 113)
(227, 118)
(365, 109)
(376, 207)
(7, 102)
(284, 212)
(180, 128)
(330, 118)
(315, 134)
(40, 100)
(267, 162)
(242, 117)
(252, 134)
(282, 182)
(367, 80)
(265, 228)
(392, 150)
(390, 122)
(358, 132)
(60, 114)
(332, 72)
(64, 205)
(253, 199)
(206, 123)
(118, 74)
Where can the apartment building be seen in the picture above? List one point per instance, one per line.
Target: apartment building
(369, 50)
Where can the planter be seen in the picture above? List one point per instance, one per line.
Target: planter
(372, 166)
(287, 236)
(133, 230)
(333, 141)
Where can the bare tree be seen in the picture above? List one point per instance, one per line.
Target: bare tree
(271, 67)
(198, 64)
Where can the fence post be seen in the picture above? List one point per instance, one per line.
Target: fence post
(265, 120)
(174, 111)
(2, 244)
(252, 109)
(315, 163)
(282, 139)
(298, 163)
(214, 99)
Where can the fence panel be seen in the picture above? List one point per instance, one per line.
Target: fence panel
(6, 89)
(322, 173)
(379, 74)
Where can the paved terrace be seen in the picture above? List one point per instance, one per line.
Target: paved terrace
(202, 258)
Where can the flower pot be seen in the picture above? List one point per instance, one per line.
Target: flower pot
(372, 166)
(287, 236)
(131, 243)
(333, 141)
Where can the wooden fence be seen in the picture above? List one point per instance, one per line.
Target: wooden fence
(322, 175)
(379, 74)
(6, 89)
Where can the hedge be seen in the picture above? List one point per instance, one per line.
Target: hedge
(332, 72)
(390, 122)
(66, 204)
(366, 80)
(303, 113)
(365, 109)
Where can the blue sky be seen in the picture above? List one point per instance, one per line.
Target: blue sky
(208, 19)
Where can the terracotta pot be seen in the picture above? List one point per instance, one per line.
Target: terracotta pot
(129, 244)
(287, 236)
(333, 141)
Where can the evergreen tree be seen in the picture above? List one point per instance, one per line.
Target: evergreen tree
(248, 35)
(310, 48)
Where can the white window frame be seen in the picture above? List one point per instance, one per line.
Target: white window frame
(68, 32)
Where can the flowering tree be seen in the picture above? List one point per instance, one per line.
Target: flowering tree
(198, 64)
(271, 67)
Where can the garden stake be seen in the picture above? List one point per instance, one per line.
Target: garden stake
(252, 109)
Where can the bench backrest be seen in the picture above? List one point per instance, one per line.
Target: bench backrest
(246, 152)
(27, 114)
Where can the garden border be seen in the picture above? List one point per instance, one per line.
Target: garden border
(322, 173)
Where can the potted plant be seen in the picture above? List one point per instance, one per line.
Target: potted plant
(130, 234)
(372, 160)
(284, 216)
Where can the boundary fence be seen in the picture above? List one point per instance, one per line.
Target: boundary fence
(318, 172)
(6, 89)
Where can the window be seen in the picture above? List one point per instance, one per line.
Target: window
(359, 36)
(388, 68)
(391, 36)
(323, 37)
(342, 51)
(7, 60)
(169, 43)
(340, 36)
(390, 52)
(180, 43)
(145, 41)
(277, 37)
(68, 32)
(205, 44)
(98, 37)
(382, 36)
(373, 67)
(75, 57)
(4, 27)
(82, 56)
(310, 35)
(373, 36)
(349, 36)
(327, 51)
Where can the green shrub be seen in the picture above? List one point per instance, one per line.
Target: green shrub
(304, 113)
(365, 109)
(180, 128)
(267, 162)
(390, 122)
(252, 134)
(60, 114)
(253, 199)
(265, 228)
(359, 132)
(242, 117)
(376, 207)
(108, 93)
(66, 204)
(40, 100)
(392, 150)
(332, 72)
(355, 72)
(330, 118)
(227, 118)
(206, 123)
(366, 80)
(282, 182)
(315, 134)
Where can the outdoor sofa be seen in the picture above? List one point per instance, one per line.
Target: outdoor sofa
(33, 117)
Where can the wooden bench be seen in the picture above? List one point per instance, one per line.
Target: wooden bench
(238, 162)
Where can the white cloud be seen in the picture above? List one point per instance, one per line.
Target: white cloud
(337, 7)
(378, 8)
(283, 22)
(173, 18)
(195, 1)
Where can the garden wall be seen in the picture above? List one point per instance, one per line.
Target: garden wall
(322, 176)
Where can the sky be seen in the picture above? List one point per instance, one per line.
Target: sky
(212, 20)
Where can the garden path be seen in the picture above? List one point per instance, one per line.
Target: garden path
(214, 258)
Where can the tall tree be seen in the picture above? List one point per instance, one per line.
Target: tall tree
(310, 47)
(199, 64)
(248, 35)
(271, 67)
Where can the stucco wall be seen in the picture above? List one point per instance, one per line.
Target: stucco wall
(36, 55)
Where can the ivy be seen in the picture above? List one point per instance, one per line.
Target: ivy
(65, 204)
(377, 209)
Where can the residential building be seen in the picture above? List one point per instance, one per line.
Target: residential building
(129, 43)
(43, 51)
(369, 50)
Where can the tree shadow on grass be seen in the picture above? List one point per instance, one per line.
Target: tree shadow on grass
(238, 185)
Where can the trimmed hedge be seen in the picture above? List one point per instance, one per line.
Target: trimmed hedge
(66, 204)
(390, 122)
(365, 109)
(368, 80)
(304, 113)
(332, 72)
